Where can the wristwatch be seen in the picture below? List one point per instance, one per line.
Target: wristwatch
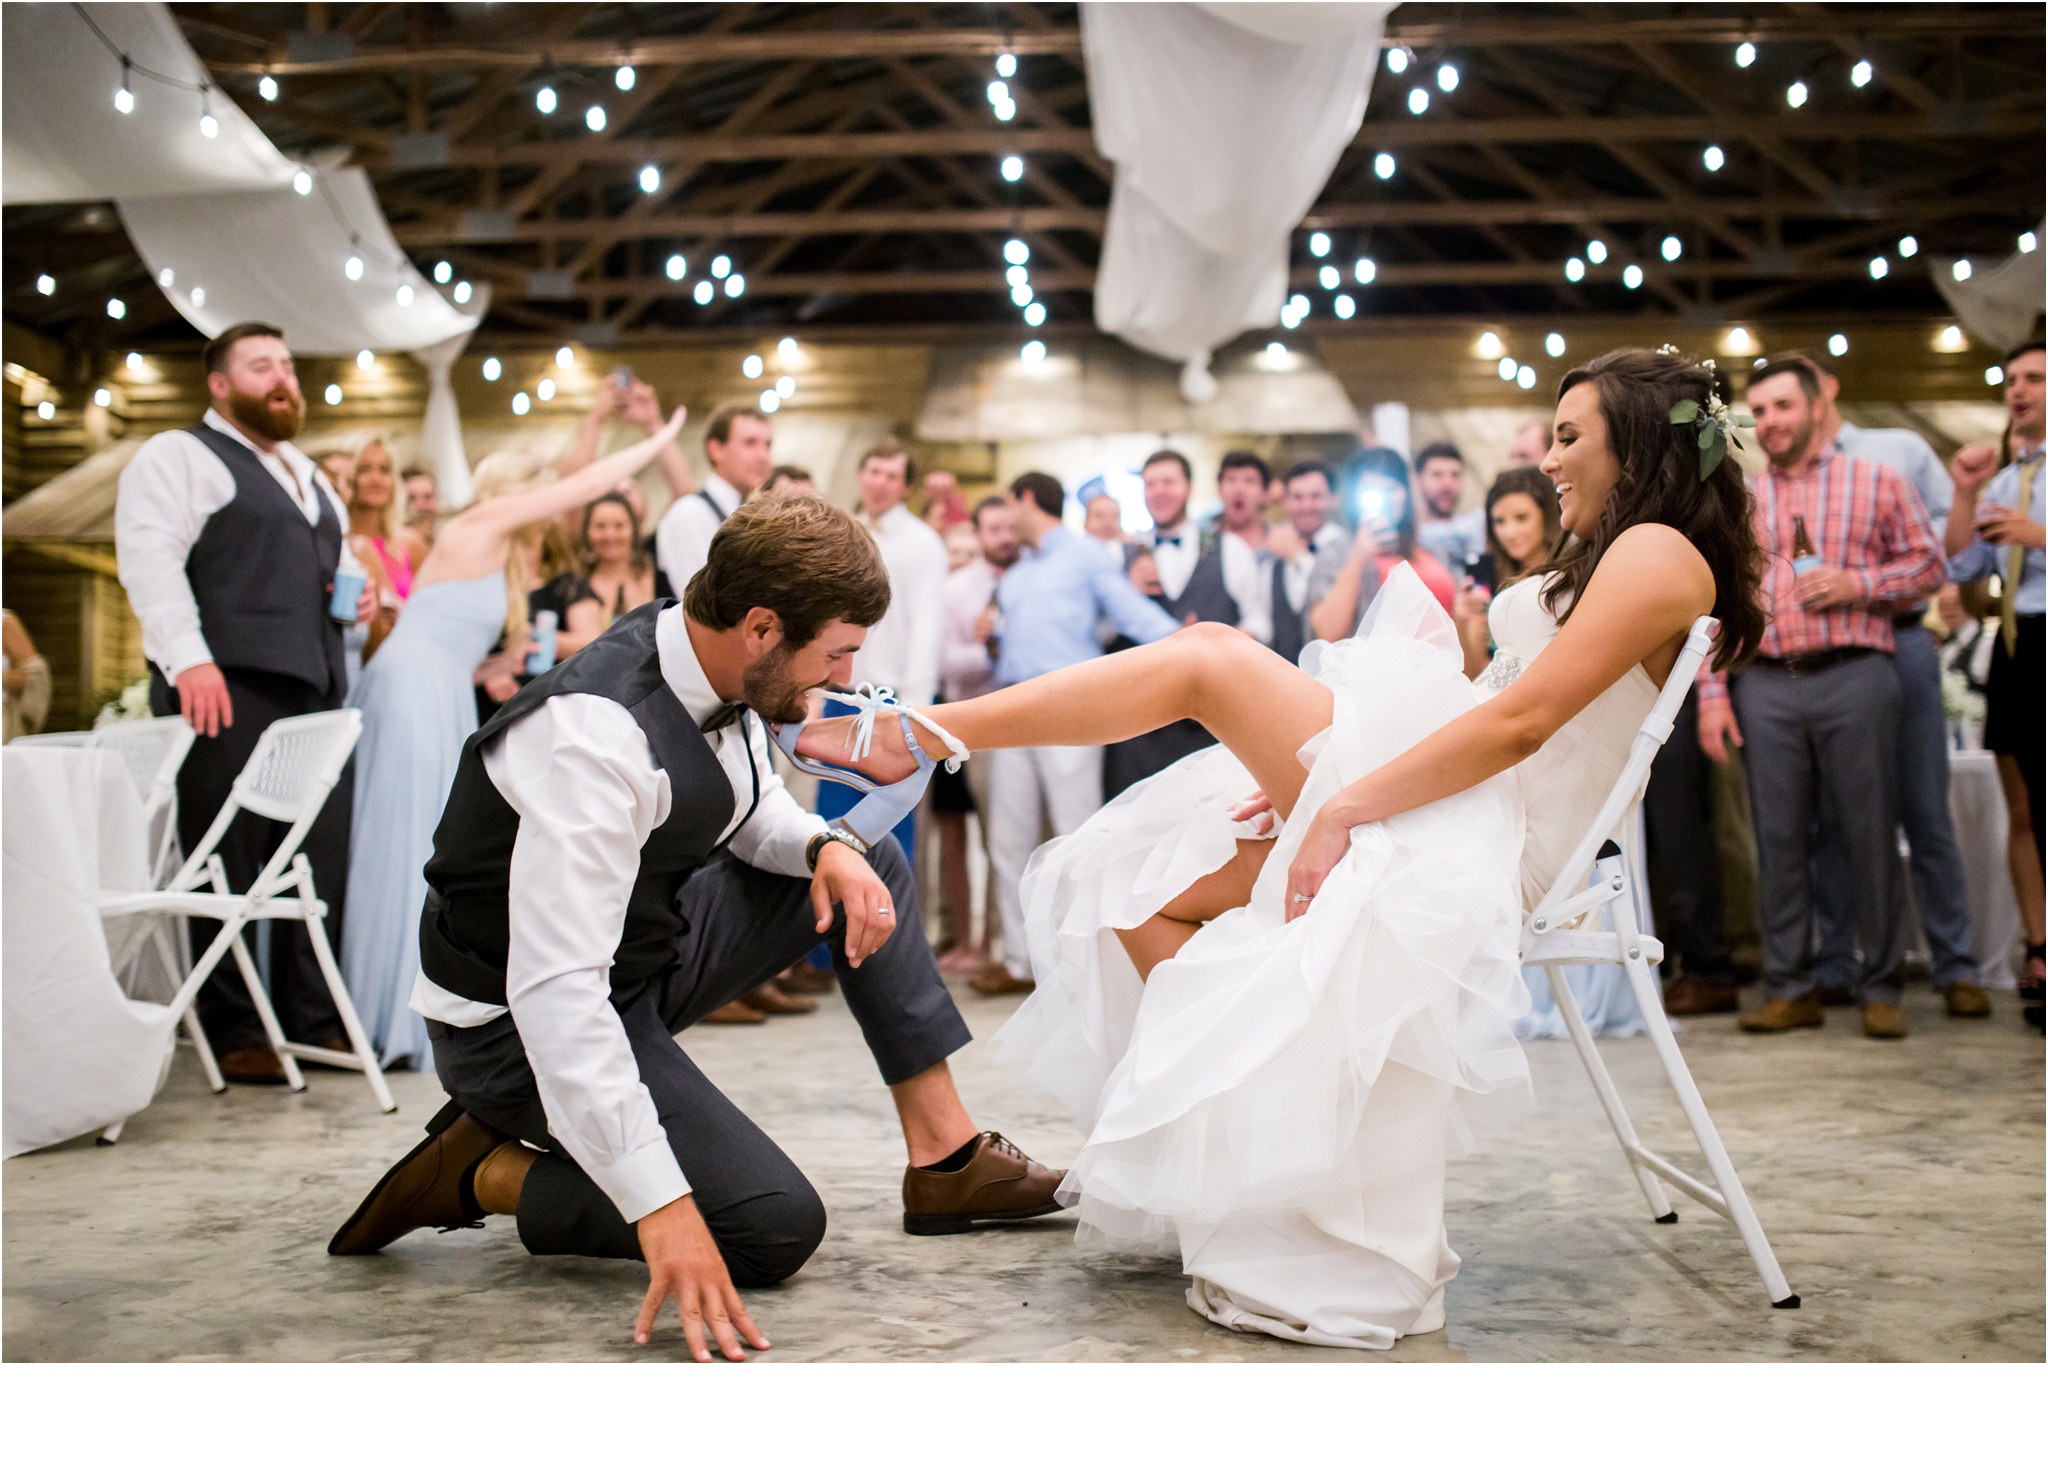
(835, 836)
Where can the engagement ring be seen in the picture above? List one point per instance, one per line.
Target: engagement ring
(1301, 900)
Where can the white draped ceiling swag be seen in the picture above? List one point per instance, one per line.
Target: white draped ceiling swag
(2000, 304)
(1224, 122)
(231, 228)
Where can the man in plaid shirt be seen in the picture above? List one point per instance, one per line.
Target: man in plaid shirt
(1818, 714)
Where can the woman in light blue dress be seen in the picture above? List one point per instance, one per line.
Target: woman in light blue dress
(418, 703)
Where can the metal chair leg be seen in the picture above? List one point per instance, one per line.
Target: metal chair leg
(1610, 1097)
(1739, 1210)
(351, 1023)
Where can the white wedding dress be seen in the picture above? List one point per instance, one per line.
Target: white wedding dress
(1280, 1101)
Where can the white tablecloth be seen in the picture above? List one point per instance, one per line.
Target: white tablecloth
(78, 1053)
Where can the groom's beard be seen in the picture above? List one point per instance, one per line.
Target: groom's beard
(772, 690)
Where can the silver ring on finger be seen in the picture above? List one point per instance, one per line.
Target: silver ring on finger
(881, 910)
(1301, 900)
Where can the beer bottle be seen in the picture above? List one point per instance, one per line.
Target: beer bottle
(1804, 556)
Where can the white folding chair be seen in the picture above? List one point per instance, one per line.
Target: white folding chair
(1566, 929)
(287, 778)
(153, 750)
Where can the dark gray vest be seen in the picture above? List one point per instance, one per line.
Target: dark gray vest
(262, 576)
(1289, 634)
(1204, 594)
(465, 926)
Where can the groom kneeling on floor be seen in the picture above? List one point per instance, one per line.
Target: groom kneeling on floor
(618, 858)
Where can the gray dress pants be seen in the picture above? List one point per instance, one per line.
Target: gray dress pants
(1939, 885)
(746, 925)
(1822, 747)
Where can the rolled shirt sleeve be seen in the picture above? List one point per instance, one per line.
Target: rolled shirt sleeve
(580, 775)
(167, 492)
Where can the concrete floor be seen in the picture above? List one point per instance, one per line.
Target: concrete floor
(1901, 1184)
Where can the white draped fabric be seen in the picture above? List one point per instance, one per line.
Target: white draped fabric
(218, 220)
(2000, 303)
(1224, 122)
(64, 141)
(79, 1054)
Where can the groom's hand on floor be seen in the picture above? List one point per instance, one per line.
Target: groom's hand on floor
(845, 879)
(683, 1263)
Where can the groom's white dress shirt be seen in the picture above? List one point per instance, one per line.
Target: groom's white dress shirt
(168, 491)
(580, 775)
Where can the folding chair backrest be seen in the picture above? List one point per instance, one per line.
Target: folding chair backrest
(1635, 774)
(51, 740)
(153, 750)
(296, 762)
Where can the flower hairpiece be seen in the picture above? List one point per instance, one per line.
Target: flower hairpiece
(1717, 424)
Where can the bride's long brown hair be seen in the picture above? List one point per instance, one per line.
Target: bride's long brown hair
(1660, 484)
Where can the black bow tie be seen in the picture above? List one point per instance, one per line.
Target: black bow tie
(1173, 539)
(727, 714)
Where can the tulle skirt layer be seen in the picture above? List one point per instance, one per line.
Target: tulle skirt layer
(1280, 1100)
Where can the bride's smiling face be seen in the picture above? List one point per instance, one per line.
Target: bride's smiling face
(1580, 462)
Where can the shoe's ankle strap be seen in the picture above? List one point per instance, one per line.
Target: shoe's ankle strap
(871, 700)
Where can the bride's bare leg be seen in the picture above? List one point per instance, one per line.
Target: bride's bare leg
(1259, 705)
(1162, 937)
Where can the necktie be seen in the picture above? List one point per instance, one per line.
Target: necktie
(727, 714)
(2016, 565)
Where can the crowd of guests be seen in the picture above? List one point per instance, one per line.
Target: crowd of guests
(1879, 553)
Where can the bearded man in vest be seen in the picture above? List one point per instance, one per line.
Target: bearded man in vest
(228, 539)
(617, 859)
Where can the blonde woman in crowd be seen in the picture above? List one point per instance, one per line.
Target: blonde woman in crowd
(389, 553)
(418, 709)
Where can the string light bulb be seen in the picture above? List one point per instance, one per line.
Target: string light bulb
(735, 285)
(1397, 59)
(124, 99)
(1994, 376)
(1880, 267)
(266, 88)
(46, 284)
(521, 404)
(117, 308)
(1796, 94)
(677, 267)
(46, 409)
(785, 387)
(1031, 352)
(1838, 344)
(1553, 344)
(1506, 367)
(1020, 295)
(493, 368)
(1319, 244)
(1447, 78)
(1596, 252)
(1745, 55)
(752, 367)
(721, 267)
(1006, 65)
(703, 292)
(208, 127)
(1328, 277)
(1383, 165)
(593, 118)
(462, 292)
(1712, 159)
(770, 403)
(365, 359)
(1908, 247)
(544, 102)
(1418, 100)
(565, 356)
(333, 394)
(1672, 247)
(1365, 271)
(650, 179)
(1017, 252)
(1632, 277)
(198, 297)
(545, 389)
(1345, 307)
(1013, 168)
(1960, 269)
(354, 268)
(1575, 269)
(2028, 243)
(787, 351)
(1525, 377)
(103, 398)
(1860, 74)
(443, 272)
(624, 78)
(1034, 314)
(404, 296)
(1016, 275)
(302, 183)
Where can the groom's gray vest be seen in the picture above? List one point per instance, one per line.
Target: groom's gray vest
(464, 928)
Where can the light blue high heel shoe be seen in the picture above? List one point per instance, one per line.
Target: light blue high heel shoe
(886, 804)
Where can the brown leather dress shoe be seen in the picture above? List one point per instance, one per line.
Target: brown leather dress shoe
(994, 980)
(1782, 1014)
(1966, 999)
(1688, 998)
(735, 1011)
(1883, 1020)
(803, 979)
(772, 1000)
(251, 1065)
(423, 1189)
(1000, 1183)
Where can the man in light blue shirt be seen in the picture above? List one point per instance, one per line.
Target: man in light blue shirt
(1939, 887)
(1050, 603)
